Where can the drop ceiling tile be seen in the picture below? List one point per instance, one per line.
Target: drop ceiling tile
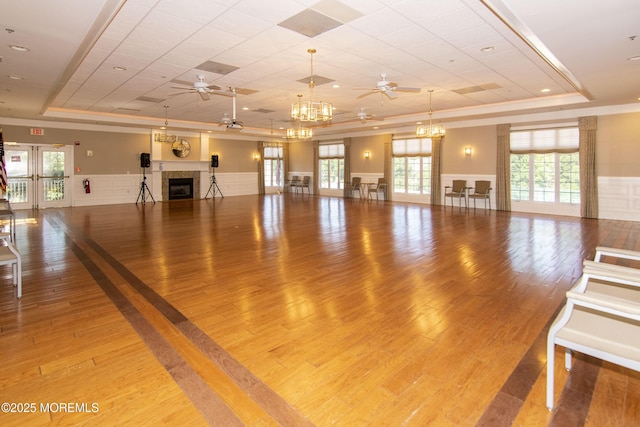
(239, 24)
(270, 12)
(198, 11)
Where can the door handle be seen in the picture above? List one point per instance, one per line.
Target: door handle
(51, 176)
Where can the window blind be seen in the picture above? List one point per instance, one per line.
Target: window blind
(331, 151)
(561, 140)
(411, 147)
(272, 152)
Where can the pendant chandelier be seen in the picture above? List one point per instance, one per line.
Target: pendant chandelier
(311, 111)
(430, 131)
(164, 137)
(299, 132)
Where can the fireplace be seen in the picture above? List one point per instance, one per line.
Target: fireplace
(181, 178)
(180, 188)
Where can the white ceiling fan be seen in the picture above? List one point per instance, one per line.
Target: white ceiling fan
(363, 116)
(386, 87)
(203, 89)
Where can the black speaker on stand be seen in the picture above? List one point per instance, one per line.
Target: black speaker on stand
(213, 188)
(145, 162)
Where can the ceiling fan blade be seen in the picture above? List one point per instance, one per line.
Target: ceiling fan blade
(390, 94)
(365, 88)
(181, 87)
(179, 93)
(407, 89)
(204, 96)
(366, 94)
(213, 87)
(221, 92)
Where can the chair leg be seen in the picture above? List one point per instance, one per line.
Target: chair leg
(550, 374)
(16, 269)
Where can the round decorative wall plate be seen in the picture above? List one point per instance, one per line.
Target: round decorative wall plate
(181, 148)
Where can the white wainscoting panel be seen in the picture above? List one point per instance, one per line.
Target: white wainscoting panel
(108, 189)
(619, 198)
(117, 189)
(237, 184)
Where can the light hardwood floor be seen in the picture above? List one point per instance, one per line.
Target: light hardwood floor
(298, 310)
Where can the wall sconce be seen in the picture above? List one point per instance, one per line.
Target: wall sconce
(256, 157)
(367, 154)
(467, 151)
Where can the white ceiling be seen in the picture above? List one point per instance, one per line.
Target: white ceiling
(577, 49)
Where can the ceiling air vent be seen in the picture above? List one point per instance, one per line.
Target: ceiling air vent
(473, 89)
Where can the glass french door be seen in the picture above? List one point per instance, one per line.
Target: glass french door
(38, 176)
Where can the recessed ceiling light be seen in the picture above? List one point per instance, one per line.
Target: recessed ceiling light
(336, 86)
(634, 58)
(418, 123)
(14, 77)
(245, 108)
(19, 48)
(487, 49)
(119, 68)
(545, 90)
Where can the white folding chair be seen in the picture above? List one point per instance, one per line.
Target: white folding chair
(9, 255)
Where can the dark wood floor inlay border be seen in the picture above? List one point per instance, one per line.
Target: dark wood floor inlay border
(210, 405)
(271, 402)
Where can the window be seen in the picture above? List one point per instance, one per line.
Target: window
(331, 166)
(412, 166)
(545, 165)
(273, 166)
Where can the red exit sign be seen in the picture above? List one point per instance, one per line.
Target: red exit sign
(37, 131)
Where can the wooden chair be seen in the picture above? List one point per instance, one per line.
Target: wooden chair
(354, 186)
(9, 255)
(305, 183)
(292, 183)
(601, 318)
(377, 189)
(481, 190)
(457, 191)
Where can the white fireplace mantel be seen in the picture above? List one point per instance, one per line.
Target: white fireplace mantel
(180, 165)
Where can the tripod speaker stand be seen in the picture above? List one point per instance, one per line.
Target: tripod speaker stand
(213, 188)
(144, 189)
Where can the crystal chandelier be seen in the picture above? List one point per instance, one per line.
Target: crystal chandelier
(311, 111)
(430, 131)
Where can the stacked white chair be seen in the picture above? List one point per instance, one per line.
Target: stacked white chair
(601, 317)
